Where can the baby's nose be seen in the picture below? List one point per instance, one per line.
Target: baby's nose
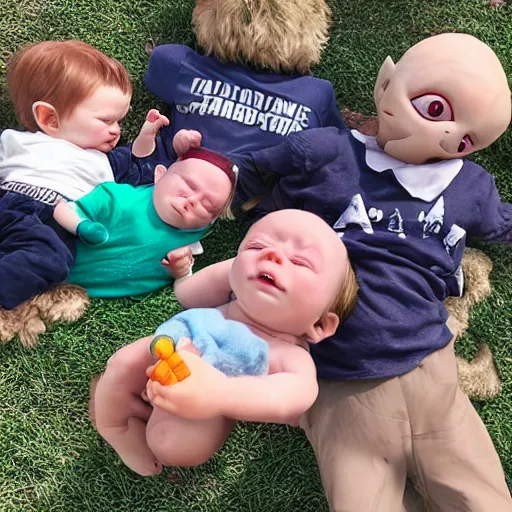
(192, 199)
(274, 256)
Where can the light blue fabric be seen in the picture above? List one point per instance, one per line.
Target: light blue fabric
(228, 345)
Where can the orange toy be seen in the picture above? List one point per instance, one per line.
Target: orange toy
(171, 368)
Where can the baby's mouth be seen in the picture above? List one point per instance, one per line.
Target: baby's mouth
(269, 280)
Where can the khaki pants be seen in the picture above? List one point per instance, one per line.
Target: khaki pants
(369, 436)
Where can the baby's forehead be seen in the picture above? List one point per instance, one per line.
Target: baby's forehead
(197, 170)
(271, 229)
(318, 237)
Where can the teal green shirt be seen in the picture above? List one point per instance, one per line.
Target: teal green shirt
(129, 262)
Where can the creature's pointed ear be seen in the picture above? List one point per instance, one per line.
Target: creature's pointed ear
(46, 117)
(324, 328)
(385, 73)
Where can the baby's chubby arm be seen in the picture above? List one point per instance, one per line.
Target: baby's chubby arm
(83, 217)
(66, 215)
(280, 397)
(207, 288)
(144, 144)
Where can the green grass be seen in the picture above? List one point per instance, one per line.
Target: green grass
(50, 457)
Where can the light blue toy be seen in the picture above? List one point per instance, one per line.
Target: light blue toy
(228, 345)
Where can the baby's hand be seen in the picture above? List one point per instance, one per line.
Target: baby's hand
(144, 143)
(200, 396)
(179, 262)
(185, 140)
(155, 120)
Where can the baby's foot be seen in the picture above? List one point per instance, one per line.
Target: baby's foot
(92, 233)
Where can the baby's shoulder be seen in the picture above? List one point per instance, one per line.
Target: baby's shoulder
(288, 357)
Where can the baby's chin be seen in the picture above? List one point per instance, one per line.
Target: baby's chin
(105, 147)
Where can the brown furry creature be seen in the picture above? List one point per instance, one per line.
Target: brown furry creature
(478, 378)
(64, 303)
(270, 34)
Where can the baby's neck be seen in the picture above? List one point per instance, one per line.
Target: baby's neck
(233, 311)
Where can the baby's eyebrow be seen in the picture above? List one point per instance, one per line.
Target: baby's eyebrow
(312, 250)
(258, 239)
(304, 244)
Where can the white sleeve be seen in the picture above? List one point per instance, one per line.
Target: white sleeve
(196, 248)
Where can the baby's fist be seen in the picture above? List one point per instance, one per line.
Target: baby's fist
(179, 262)
(185, 140)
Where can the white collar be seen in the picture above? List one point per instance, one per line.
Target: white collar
(425, 181)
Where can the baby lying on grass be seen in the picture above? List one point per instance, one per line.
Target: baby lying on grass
(292, 284)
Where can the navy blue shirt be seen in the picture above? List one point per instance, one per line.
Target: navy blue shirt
(405, 250)
(127, 168)
(235, 109)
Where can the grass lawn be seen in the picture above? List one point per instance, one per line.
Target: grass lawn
(50, 457)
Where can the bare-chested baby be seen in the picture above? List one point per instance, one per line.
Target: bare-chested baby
(292, 284)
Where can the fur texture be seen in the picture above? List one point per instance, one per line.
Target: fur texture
(478, 378)
(266, 34)
(64, 303)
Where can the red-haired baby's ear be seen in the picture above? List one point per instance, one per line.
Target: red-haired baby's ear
(46, 117)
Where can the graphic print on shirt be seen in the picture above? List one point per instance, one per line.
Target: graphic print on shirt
(396, 223)
(452, 239)
(246, 106)
(357, 213)
(433, 222)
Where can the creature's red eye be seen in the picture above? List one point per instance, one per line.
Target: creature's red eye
(433, 107)
(465, 144)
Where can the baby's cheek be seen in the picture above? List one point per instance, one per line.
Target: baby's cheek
(314, 295)
(208, 216)
(309, 285)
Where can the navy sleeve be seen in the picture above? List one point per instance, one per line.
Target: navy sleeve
(163, 69)
(135, 171)
(297, 161)
(301, 152)
(331, 115)
(276, 160)
(495, 217)
(256, 168)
